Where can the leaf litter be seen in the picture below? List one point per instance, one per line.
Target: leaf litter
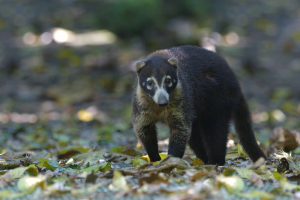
(76, 167)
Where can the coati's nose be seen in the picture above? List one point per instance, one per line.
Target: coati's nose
(162, 100)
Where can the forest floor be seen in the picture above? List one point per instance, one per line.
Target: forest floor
(90, 160)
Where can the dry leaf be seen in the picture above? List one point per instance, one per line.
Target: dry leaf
(284, 139)
(152, 178)
(6, 179)
(256, 180)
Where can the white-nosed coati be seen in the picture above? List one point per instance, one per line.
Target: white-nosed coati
(196, 94)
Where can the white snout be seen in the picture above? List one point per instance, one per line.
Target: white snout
(161, 97)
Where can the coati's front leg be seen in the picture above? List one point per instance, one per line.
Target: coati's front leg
(180, 134)
(148, 136)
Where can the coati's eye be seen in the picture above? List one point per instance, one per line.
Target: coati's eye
(150, 82)
(168, 81)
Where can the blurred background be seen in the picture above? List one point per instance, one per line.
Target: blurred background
(67, 60)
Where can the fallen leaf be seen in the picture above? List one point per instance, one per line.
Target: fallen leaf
(18, 172)
(277, 176)
(119, 182)
(152, 178)
(68, 154)
(233, 184)
(49, 164)
(9, 194)
(91, 178)
(228, 171)
(284, 139)
(241, 151)
(85, 191)
(91, 157)
(257, 194)
(138, 162)
(197, 162)
(105, 166)
(201, 174)
(257, 163)
(232, 155)
(288, 186)
(162, 156)
(243, 172)
(256, 180)
(6, 179)
(28, 183)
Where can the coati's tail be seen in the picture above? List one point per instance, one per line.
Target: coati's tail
(243, 126)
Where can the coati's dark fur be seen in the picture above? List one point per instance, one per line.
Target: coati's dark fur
(205, 97)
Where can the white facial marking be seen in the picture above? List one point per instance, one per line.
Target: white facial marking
(149, 87)
(143, 83)
(169, 84)
(160, 90)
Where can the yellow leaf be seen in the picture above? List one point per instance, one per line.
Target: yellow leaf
(197, 162)
(28, 183)
(85, 115)
(241, 151)
(162, 156)
(233, 184)
(119, 182)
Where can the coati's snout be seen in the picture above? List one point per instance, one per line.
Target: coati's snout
(162, 100)
(157, 76)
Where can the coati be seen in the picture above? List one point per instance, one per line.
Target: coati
(196, 94)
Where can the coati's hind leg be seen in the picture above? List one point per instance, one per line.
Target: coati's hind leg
(215, 131)
(196, 143)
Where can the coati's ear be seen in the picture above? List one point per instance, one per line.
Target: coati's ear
(173, 61)
(139, 65)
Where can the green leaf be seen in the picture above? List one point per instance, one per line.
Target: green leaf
(243, 172)
(241, 151)
(257, 194)
(9, 194)
(28, 184)
(81, 149)
(91, 157)
(288, 186)
(138, 162)
(277, 176)
(233, 184)
(105, 166)
(117, 149)
(89, 169)
(102, 168)
(18, 172)
(231, 155)
(228, 171)
(49, 164)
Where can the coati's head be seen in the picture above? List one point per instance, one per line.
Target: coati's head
(157, 76)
